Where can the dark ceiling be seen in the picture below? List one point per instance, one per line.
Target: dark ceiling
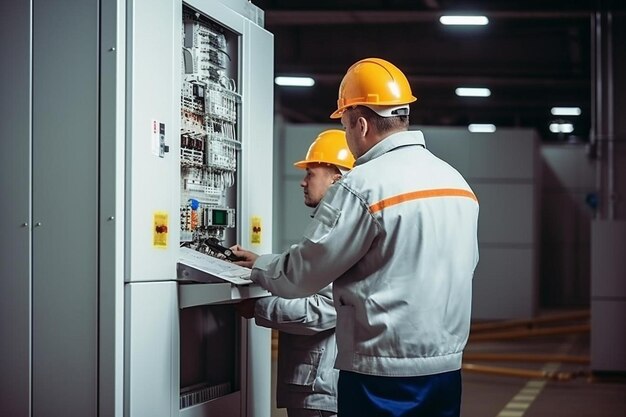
(532, 55)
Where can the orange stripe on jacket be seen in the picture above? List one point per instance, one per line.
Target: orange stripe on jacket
(416, 195)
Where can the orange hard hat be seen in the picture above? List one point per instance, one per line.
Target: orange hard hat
(373, 82)
(330, 147)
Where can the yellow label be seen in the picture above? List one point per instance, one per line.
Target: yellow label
(160, 230)
(255, 233)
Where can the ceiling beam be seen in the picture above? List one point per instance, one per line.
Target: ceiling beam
(335, 78)
(344, 17)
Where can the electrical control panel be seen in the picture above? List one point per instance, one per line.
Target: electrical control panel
(196, 154)
(210, 135)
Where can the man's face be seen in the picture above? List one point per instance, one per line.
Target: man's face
(352, 134)
(316, 181)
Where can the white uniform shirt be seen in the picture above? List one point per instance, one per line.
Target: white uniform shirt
(306, 349)
(398, 237)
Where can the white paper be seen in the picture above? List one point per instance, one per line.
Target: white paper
(214, 267)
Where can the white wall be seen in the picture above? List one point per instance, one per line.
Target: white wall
(502, 168)
(291, 143)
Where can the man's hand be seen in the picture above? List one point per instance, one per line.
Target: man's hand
(245, 308)
(246, 258)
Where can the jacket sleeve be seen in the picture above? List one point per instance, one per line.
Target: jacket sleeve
(339, 235)
(302, 316)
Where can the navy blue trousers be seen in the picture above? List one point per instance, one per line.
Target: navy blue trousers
(361, 395)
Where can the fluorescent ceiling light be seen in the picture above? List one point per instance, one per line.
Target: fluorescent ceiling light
(481, 128)
(472, 92)
(464, 20)
(561, 127)
(565, 111)
(295, 81)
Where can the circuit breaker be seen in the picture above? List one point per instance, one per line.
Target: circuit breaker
(210, 137)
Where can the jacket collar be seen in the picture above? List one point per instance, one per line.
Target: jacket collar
(391, 142)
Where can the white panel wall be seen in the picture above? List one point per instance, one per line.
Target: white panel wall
(502, 169)
(608, 296)
(290, 214)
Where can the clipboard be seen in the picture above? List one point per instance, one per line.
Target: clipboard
(194, 266)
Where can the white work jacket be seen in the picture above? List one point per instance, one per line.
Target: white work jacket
(306, 349)
(398, 237)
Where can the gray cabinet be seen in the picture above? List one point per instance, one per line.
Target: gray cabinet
(15, 243)
(49, 184)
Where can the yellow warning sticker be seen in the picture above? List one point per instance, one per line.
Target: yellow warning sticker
(160, 229)
(255, 233)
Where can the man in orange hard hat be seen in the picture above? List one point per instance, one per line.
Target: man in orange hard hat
(307, 380)
(397, 236)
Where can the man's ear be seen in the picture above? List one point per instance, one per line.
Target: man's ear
(363, 126)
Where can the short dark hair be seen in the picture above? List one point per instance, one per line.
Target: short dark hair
(381, 124)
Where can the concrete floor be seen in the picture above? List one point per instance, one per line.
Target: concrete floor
(585, 395)
(486, 395)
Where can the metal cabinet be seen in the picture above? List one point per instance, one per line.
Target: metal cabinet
(49, 268)
(82, 82)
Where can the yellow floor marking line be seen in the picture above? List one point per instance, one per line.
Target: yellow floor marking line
(536, 384)
(529, 391)
(525, 397)
(522, 400)
(517, 406)
(510, 413)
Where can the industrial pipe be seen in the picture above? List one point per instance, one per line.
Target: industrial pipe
(575, 315)
(520, 373)
(519, 334)
(524, 357)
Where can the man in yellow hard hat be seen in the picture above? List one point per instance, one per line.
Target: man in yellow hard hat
(397, 237)
(307, 380)
(327, 159)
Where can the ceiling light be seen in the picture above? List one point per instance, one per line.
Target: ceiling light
(561, 127)
(481, 128)
(472, 92)
(565, 111)
(464, 20)
(295, 81)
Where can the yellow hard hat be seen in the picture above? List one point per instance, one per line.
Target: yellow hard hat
(330, 147)
(373, 82)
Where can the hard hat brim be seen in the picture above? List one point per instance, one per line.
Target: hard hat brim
(337, 113)
(305, 164)
(377, 108)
